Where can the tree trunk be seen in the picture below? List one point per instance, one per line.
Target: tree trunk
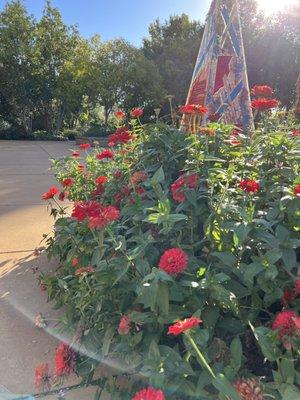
(60, 118)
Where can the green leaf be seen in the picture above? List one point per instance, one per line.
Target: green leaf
(158, 177)
(109, 334)
(291, 393)
(222, 384)
(236, 352)
(227, 258)
(265, 338)
(162, 299)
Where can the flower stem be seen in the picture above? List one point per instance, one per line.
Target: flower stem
(201, 357)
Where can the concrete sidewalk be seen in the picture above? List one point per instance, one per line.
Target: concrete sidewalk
(24, 218)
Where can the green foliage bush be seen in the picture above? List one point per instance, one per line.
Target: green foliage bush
(243, 254)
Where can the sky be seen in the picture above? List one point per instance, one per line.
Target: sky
(118, 18)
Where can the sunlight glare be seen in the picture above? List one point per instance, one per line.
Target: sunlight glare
(272, 6)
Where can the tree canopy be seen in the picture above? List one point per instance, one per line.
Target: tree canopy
(51, 77)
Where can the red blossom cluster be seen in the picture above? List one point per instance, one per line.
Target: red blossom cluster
(262, 91)
(290, 295)
(263, 104)
(122, 194)
(105, 154)
(84, 146)
(249, 389)
(173, 261)
(249, 186)
(75, 154)
(67, 182)
(297, 190)
(84, 270)
(50, 194)
(120, 114)
(97, 214)
(183, 326)
(263, 101)
(287, 324)
(177, 188)
(207, 131)
(124, 325)
(138, 177)
(105, 216)
(42, 377)
(295, 133)
(101, 180)
(65, 358)
(193, 109)
(121, 136)
(149, 394)
(136, 112)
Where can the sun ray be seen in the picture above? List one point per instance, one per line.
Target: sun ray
(272, 6)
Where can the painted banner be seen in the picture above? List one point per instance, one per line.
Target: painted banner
(220, 77)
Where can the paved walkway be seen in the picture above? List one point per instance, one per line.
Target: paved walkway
(24, 175)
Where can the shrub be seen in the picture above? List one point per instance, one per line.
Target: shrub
(167, 227)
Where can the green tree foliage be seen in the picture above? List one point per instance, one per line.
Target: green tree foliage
(17, 82)
(272, 47)
(123, 76)
(173, 46)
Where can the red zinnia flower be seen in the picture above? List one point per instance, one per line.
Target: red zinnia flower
(262, 91)
(68, 182)
(86, 209)
(264, 104)
(136, 112)
(120, 114)
(208, 131)
(84, 270)
(101, 180)
(297, 190)
(149, 394)
(173, 261)
(50, 194)
(74, 261)
(42, 376)
(124, 325)
(85, 146)
(117, 174)
(284, 323)
(75, 154)
(62, 195)
(295, 133)
(65, 358)
(177, 187)
(104, 216)
(297, 287)
(193, 109)
(249, 389)
(121, 136)
(249, 186)
(234, 141)
(183, 326)
(137, 177)
(105, 154)
(124, 192)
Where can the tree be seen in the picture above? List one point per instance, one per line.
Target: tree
(17, 87)
(122, 76)
(54, 47)
(173, 47)
(272, 47)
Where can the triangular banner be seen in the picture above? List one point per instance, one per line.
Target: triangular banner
(220, 77)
